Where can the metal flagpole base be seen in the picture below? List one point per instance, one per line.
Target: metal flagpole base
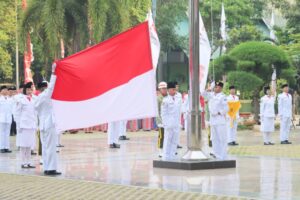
(194, 155)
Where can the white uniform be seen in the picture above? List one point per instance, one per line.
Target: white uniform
(123, 128)
(6, 106)
(44, 108)
(16, 115)
(232, 128)
(285, 114)
(218, 108)
(267, 116)
(113, 131)
(179, 96)
(170, 114)
(27, 121)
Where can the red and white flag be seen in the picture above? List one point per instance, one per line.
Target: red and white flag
(111, 81)
(204, 54)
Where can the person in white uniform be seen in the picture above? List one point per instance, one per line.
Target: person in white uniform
(267, 115)
(113, 134)
(123, 130)
(170, 114)
(44, 108)
(27, 121)
(218, 108)
(179, 96)
(16, 114)
(6, 106)
(232, 125)
(285, 114)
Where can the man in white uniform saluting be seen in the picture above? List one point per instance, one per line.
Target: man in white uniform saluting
(44, 108)
(218, 109)
(285, 114)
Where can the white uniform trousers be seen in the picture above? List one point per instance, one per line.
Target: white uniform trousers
(170, 142)
(123, 128)
(231, 131)
(219, 141)
(4, 135)
(113, 132)
(285, 127)
(49, 155)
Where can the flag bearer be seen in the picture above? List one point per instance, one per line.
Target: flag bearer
(170, 114)
(27, 121)
(285, 114)
(6, 106)
(267, 115)
(217, 103)
(44, 108)
(232, 123)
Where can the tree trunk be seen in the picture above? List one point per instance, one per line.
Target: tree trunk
(255, 106)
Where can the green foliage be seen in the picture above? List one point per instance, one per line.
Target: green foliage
(223, 65)
(241, 80)
(5, 67)
(238, 13)
(78, 23)
(258, 58)
(7, 36)
(169, 14)
(243, 34)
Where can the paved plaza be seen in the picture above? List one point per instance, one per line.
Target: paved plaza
(93, 171)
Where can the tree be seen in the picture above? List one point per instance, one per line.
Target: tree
(76, 23)
(241, 80)
(169, 14)
(256, 59)
(243, 34)
(292, 47)
(7, 36)
(238, 13)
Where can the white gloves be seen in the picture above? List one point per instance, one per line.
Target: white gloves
(53, 67)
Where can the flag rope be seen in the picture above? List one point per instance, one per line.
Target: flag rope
(212, 37)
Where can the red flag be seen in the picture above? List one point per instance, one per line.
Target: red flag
(111, 81)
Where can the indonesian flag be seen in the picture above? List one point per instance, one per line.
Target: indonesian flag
(111, 81)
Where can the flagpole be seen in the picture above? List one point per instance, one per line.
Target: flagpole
(194, 116)
(17, 48)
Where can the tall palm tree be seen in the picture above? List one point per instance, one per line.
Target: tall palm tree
(54, 21)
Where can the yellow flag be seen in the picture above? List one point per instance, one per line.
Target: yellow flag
(234, 107)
